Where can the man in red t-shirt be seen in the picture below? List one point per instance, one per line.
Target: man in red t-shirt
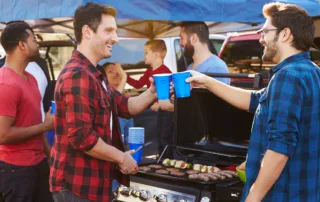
(24, 171)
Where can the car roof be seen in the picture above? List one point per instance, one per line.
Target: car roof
(245, 36)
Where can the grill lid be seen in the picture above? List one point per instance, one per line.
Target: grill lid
(208, 127)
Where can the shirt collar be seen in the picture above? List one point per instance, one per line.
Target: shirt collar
(291, 59)
(96, 71)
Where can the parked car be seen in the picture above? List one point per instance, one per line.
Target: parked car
(243, 54)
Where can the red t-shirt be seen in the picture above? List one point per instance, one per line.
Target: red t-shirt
(20, 98)
(144, 80)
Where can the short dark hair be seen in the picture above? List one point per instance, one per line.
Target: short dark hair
(198, 28)
(13, 33)
(105, 65)
(90, 14)
(296, 19)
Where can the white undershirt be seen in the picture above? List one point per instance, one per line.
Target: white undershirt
(111, 123)
(35, 70)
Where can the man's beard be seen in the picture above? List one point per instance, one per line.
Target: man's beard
(270, 50)
(188, 50)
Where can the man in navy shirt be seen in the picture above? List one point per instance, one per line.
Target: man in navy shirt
(283, 161)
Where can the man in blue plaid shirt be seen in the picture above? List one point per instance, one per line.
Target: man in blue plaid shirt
(283, 162)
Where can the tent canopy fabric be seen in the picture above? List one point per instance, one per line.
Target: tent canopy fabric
(147, 19)
(167, 10)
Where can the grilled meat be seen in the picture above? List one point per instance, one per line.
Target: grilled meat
(172, 169)
(155, 166)
(190, 172)
(144, 168)
(177, 173)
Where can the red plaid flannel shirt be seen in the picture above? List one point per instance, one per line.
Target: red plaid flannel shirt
(83, 110)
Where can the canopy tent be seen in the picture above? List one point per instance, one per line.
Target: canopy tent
(153, 18)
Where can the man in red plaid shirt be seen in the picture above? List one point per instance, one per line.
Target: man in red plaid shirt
(88, 152)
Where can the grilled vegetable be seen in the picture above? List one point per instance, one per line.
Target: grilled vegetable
(178, 164)
(204, 169)
(197, 167)
(215, 169)
(189, 165)
(166, 162)
(173, 162)
(210, 169)
(184, 165)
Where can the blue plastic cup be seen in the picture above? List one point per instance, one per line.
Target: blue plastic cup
(181, 87)
(138, 155)
(135, 140)
(50, 134)
(53, 107)
(136, 135)
(50, 137)
(162, 82)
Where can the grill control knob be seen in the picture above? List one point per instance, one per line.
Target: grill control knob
(161, 198)
(205, 199)
(145, 195)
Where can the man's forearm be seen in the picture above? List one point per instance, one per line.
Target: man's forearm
(106, 152)
(139, 103)
(121, 86)
(237, 97)
(47, 148)
(15, 134)
(271, 168)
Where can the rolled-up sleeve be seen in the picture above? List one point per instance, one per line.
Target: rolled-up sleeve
(254, 100)
(284, 112)
(78, 91)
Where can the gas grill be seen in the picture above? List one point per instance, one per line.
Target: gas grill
(207, 131)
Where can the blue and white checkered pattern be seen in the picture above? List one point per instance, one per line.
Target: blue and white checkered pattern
(287, 121)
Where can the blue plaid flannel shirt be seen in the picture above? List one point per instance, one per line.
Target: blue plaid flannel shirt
(287, 121)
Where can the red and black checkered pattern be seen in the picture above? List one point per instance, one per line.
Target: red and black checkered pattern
(83, 111)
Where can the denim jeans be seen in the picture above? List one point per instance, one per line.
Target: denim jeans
(25, 183)
(67, 196)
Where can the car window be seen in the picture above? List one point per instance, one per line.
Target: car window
(217, 44)
(315, 51)
(245, 57)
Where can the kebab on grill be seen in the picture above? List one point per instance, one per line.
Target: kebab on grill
(173, 162)
(166, 162)
(197, 167)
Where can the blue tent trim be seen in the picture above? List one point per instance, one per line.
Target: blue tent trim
(175, 10)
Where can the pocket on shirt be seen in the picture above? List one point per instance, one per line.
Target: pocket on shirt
(103, 113)
(103, 103)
